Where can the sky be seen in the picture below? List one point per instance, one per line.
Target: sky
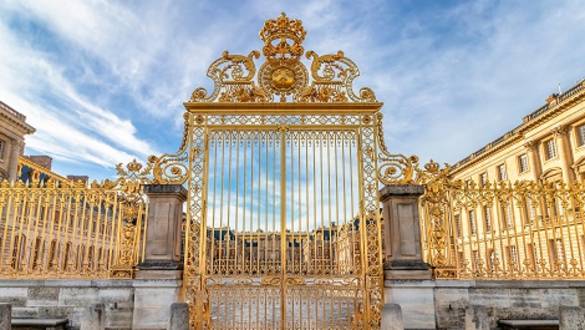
(104, 82)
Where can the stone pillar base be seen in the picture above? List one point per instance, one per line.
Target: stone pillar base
(572, 318)
(416, 299)
(392, 317)
(408, 274)
(179, 316)
(161, 265)
(152, 302)
(5, 316)
(155, 274)
(407, 270)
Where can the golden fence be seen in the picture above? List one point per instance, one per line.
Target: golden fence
(78, 231)
(503, 230)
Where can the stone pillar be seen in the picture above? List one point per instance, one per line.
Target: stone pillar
(392, 317)
(158, 280)
(402, 242)
(16, 149)
(179, 316)
(163, 234)
(572, 318)
(534, 155)
(5, 316)
(566, 156)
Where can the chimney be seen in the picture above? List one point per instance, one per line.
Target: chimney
(42, 160)
(83, 178)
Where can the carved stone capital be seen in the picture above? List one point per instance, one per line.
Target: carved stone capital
(531, 145)
(560, 130)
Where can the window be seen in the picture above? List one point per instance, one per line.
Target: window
(523, 163)
(66, 256)
(37, 253)
(2, 147)
(556, 251)
(491, 259)
(52, 254)
(461, 260)
(531, 255)
(483, 179)
(472, 224)
(581, 135)
(512, 255)
(550, 149)
(530, 211)
(474, 258)
(458, 225)
(502, 174)
(487, 218)
(508, 216)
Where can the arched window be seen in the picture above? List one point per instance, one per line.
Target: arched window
(52, 254)
(90, 258)
(37, 253)
(66, 256)
(18, 252)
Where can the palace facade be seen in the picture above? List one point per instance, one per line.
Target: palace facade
(516, 214)
(548, 145)
(14, 165)
(13, 128)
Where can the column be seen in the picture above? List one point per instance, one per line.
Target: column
(561, 134)
(402, 242)
(534, 156)
(16, 149)
(158, 281)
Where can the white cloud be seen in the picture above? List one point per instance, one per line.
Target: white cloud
(74, 127)
(447, 95)
(451, 79)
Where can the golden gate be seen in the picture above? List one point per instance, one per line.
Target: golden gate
(283, 165)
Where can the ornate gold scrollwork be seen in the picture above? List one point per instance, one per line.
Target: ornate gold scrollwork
(333, 76)
(233, 77)
(283, 74)
(394, 168)
(435, 200)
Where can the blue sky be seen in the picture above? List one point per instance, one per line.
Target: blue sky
(104, 82)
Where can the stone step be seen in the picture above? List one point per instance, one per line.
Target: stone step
(28, 323)
(529, 324)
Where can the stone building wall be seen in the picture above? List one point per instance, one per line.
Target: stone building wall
(127, 303)
(13, 128)
(441, 304)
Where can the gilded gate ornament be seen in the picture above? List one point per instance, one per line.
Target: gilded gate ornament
(283, 77)
(304, 120)
(81, 230)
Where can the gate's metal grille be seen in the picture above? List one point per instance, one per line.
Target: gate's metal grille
(282, 198)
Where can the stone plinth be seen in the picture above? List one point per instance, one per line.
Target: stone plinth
(5, 316)
(163, 234)
(392, 317)
(416, 299)
(572, 318)
(402, 243)
(152, 302)
(179, 316)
